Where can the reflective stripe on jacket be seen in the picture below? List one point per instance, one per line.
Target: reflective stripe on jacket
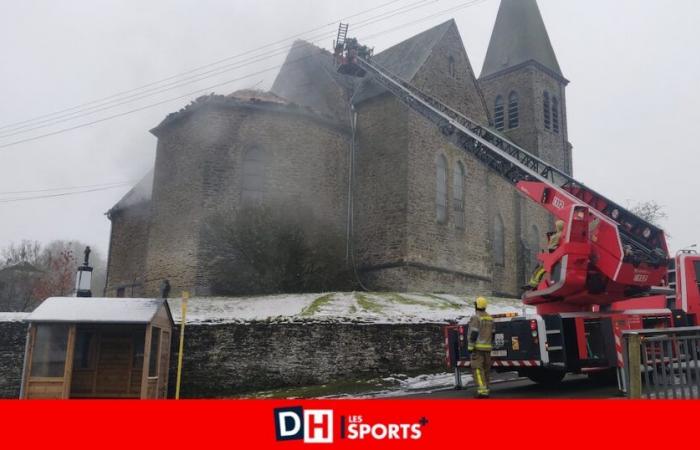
(480, 332)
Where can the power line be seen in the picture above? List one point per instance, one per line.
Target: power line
(65, 188)
(63, 130)
(193, 79)
(37, 197)
(196, 69)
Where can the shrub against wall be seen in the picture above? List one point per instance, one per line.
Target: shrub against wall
(273, 248)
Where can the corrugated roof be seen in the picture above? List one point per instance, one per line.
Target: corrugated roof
(404, 59)
(519, 36)
(97, 310)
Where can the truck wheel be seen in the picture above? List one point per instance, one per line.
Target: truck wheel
(546, 377)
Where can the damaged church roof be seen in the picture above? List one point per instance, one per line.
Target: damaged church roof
(246, 98)
(257, 95)
(404, 59)
(309, 77)
(140, 193)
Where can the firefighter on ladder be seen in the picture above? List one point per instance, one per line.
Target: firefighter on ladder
(553, 241)
(479, 340)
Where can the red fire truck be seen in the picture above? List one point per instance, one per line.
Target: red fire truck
(611, 271)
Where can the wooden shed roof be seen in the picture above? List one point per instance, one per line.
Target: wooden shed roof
(98, 310)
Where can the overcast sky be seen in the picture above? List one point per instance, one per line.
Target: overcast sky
(633, 101)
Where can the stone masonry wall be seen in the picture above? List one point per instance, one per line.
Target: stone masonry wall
(223, 360)
(459, 89)
(464, 252)
(199, 171)
(530, 83)
(13, 336)
(127, 256)
(380, 198)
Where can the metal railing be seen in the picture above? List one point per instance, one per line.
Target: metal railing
(662, 363)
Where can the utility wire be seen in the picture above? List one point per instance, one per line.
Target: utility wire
(193, 79)
(66, 188)
(37, 197)
(198, 91)
(196, 69)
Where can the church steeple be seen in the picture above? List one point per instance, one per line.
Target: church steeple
(519, 37)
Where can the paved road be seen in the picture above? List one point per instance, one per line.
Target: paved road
(573, 386)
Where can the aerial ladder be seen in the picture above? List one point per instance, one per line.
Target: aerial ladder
(609, 261)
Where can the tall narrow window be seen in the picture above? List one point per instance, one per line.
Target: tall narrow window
(451, 67)
(499, 114)
(253, 176)
(513, 110)
(155, 348)
(458, 195)
(555, 114)
(534, 245)
(547, 111)
(441, 190)
(499, 246)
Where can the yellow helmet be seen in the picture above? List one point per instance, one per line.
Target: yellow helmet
(481, 303)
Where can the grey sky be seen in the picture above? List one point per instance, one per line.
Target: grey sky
(632, 102)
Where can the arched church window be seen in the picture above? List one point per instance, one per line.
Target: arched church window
(499, 246)
(253, 180)
(499, 114)
(458, 195)
(513, 110)
(451, 67)
(546, 106)
(441, 189)
(555, 114)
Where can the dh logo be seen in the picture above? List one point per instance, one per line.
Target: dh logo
(314, 426)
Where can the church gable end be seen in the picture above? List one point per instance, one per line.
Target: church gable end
(447, 74)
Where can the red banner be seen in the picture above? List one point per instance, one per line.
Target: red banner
(385, 424)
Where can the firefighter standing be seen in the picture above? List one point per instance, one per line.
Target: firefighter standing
(479, 340)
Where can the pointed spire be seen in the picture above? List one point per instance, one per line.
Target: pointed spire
(519, 36)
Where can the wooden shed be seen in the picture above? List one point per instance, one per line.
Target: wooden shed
(98, 348)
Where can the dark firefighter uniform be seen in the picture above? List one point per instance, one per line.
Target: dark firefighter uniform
(479, 340)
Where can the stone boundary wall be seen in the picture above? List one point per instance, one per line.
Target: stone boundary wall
(222, 360)
(13, 336)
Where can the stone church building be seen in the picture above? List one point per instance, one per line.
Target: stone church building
(418, 214)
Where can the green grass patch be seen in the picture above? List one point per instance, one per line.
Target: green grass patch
(447, 304)
(441, 303)
(396, 298)
(316, 305)
(367, 303)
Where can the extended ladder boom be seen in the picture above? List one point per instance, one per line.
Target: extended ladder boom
(642, 241)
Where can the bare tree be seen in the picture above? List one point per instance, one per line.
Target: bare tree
(24, 251)
(650, 211)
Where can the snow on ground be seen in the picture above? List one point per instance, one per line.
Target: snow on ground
(402, 385)
(12, 316)
(365, 307)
